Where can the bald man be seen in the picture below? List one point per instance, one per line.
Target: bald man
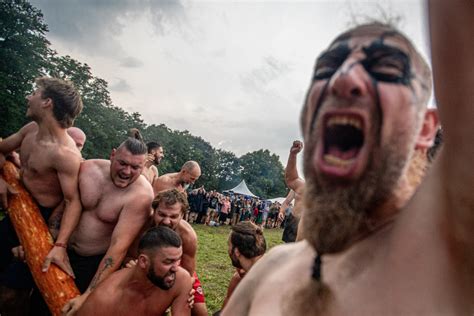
(189, 173)
(78, 136)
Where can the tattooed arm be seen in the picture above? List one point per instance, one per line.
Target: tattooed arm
(132, 218)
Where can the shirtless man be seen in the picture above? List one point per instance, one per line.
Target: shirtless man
(116, 205)
(290, 230)
(181, 180)
(292, 178)
(148, 288)
(170, 207)
(50, 165)
(382, 248)
(246, 246)
(154, 157)
(78, 136)
(296, 184)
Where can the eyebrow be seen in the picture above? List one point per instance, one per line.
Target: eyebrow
(340, 50)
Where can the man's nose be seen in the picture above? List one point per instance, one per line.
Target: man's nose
(126, 170)
(166, 221)
(174, 266)
(350, 81)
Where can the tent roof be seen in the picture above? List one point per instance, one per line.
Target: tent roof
(278, 199)
(241, 189)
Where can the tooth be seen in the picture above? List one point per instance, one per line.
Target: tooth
(335, 161)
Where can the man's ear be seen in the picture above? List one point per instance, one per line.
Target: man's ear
(143, 261)
(428, 129)
(48, 102)
(237, 252)
(112, 154)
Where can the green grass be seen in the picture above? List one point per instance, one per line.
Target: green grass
(213, 263)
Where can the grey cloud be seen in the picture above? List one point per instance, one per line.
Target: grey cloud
(120, 86)
(130, 62)
(260, 77)
(92, 26)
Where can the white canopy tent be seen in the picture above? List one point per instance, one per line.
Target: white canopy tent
(278, 199)
(241, 188)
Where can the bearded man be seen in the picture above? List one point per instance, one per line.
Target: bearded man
(378, 242)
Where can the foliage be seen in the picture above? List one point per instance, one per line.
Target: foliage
(24, 50)
(263, 173)
(213, 264)
(25, 55)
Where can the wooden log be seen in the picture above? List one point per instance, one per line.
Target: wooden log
(55, 285)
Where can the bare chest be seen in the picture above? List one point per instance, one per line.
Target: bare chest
(101, 198)
(36, 158)
(417, 281)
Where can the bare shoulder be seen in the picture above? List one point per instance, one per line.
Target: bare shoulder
(187, 233)
(142, 185)
(31, 127)
(94, 166)
(164, 182)
(276, 270)
(282, 257)
(66, 157)
(184, 281)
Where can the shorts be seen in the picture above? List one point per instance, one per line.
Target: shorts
(15, 274)
(291, 229)
(199, 293)
(84, 268)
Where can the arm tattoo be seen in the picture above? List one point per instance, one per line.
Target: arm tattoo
(108, 262)
(55, 221)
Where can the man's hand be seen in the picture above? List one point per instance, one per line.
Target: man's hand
(71, 307)
(150, 158)
(296, 147)
(191, 297)
(131, 263)
(19, 253)
(58, 256)
(5, 188)
(281, 216)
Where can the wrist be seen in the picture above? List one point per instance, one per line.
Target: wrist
(60, 244)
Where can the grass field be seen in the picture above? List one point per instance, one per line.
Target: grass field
(213, 263)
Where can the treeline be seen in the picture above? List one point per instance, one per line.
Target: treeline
(25, 54)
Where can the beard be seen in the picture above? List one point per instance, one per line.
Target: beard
(335, 214)
(235, 261)
(160, 281)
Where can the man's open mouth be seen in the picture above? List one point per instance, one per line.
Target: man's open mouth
(343, 138)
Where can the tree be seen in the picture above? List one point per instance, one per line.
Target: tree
(24, 52)
(263, 173)
(227, 169)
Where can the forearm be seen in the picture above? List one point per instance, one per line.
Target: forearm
(291, 172)
(69, 221)
(109, 264)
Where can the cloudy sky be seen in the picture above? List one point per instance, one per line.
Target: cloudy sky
(233, 72)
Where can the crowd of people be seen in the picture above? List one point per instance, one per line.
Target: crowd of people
(214, 209)
(381, 226)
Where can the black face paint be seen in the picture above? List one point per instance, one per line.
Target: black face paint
(387, 63)
(326, 66)
(318, 106)
(330, 61)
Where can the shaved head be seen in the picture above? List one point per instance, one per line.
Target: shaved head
(78, 136)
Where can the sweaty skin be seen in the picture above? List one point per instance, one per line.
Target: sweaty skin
(112, 217)
(126, 292)
(292, 178)
(171, 216)
(188, 174)
(49, 170)
(416, 258)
